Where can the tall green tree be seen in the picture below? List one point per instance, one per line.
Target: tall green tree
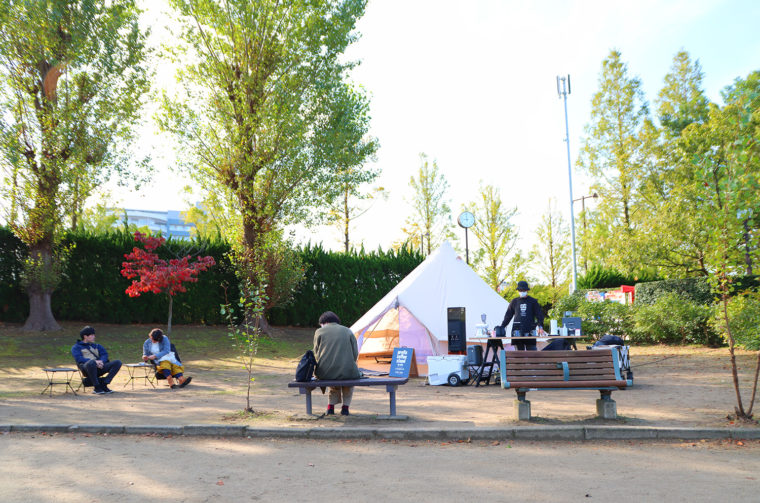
(496, 234)
(726, 184)
(352, 152)
(669, 230)
(352, 203)
(612, 154)
(430, 206)
(268, 116)
(682, 100)
(72, 78)
(551, 253)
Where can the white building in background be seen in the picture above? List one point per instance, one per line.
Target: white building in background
(168, 223)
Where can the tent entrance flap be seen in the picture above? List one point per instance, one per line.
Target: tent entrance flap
(381, 337)
(397, 327)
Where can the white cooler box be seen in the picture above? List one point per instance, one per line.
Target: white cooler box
(439, 368)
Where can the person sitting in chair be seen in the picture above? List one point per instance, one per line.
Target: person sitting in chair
(92, 360)
(157, 350)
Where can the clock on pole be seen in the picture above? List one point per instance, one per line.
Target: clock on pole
(465, 221)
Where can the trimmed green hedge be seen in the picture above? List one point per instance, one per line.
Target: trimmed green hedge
(14, 306)
(599, 277)
(345, 283)
(93, 289)
(695, 289)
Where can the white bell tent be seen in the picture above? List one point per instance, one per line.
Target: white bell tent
(414, 312)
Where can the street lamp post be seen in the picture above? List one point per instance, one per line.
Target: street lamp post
(563, 89)
(582, 199)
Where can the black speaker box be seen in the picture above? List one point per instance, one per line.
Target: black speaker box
(457, 331)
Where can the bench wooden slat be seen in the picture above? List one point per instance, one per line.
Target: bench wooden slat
(512, 370)
(538, 378)
(599, 359)
(569, 384)
(553, 364)
(551, 372)
(565, 354)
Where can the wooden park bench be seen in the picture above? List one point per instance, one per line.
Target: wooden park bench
(597, 369)
(391, 385)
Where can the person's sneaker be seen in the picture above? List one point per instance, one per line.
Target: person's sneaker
(330, 411)
(99, 391)
(344, 411)
(106, 389)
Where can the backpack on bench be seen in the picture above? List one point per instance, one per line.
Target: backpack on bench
(306, 367)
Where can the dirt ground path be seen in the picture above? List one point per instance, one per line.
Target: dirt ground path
(682, 387)
(96, 468)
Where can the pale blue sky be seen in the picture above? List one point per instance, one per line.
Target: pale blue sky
(472, 84)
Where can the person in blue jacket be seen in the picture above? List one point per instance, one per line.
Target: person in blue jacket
(158, 349)
(92, 359)
(527, 314)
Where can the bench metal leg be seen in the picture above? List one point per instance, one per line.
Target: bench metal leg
(522, 407)
(606, 408)
(307, 392)
(391, 389)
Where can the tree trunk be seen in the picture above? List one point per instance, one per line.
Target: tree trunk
(169, 323)
(42, 272)
(754, 386)
(40, 313)
(346, 220)
(734, 371)
(747, 248)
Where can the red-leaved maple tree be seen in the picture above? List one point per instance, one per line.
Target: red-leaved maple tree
(157, 275)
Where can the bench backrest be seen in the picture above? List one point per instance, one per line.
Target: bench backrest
(597, 367)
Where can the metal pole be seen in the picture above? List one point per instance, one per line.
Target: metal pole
(585, 243)
(466, 247)
(563, 92)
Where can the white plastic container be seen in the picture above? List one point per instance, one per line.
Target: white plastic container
(439, 368)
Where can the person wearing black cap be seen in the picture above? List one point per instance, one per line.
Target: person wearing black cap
(527, 315)
(92, 359)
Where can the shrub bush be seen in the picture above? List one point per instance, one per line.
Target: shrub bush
(601, 277)
(597, 318)
(672, 319)
(744, 320)
(696, 290)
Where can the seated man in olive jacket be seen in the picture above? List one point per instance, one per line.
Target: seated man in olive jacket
(336, 352)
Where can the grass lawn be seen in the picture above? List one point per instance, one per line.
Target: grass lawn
(124, 342)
